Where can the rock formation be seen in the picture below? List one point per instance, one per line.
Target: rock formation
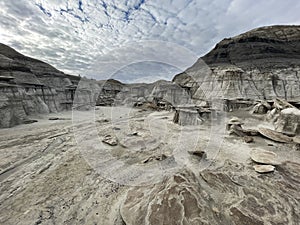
(260, 64)
(29, 86)
(139, 167)
(288, 121)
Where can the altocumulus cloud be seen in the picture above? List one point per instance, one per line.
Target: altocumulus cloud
(75, 35)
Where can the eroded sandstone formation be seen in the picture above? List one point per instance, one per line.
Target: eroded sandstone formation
(29, 86)
(259, 64)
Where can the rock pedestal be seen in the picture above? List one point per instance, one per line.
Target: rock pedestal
(187, 116)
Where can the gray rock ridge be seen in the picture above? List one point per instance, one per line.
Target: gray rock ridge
(264, 48)
(260, 64)
(29, 86)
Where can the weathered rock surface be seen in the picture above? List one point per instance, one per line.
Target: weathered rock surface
(262, 47)
(274, 135)
(232, 195)
(29, 86)
(47, 178)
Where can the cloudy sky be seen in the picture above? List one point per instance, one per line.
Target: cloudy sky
(84, 36)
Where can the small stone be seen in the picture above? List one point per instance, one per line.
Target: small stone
(160, 157)
(112, 141)
(102, 121)
(215, 209)
(133, 134)
(248, 139)
(53, 118)
(234, 121)
(29, 121)
(260, 109)
(198, 153)
(296, 147)
(58, 118)
(264, 168)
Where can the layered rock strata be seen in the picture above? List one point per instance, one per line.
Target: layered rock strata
(260, 64)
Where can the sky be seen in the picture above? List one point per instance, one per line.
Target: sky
(132, 40)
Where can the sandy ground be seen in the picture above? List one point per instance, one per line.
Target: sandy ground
(60, 171)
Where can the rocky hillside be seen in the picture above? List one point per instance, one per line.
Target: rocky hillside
(29, 86)
(265, 47)
(260, 64)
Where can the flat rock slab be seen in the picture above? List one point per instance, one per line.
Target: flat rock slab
(274, 135)
(264, 157)
(110, 140)
(264, 168)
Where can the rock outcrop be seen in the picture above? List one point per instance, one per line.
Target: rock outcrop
(232, 195)
(29, 86)
(288, 121)
(260, 64)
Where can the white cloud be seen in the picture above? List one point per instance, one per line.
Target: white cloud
(71, 34)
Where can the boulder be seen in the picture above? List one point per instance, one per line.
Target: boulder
(261, 108)
(288, 121)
